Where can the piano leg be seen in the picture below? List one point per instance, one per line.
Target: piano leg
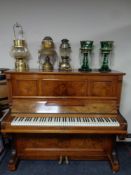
(13, 162)
(114, 161)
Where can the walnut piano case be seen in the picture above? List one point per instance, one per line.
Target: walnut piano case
(35, 94)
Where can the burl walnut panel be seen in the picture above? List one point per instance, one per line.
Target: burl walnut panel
(64, 88)
(25, 88)
(37, 84)
(103, 86)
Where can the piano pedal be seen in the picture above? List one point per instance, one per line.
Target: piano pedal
(66, 160)
(60, 160)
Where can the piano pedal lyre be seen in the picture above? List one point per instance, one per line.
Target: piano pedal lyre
(60, 160)
(66, 160)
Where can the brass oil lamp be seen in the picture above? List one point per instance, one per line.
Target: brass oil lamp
(106, 49)
(86, 49)
(65, 51)
(19, 49)
(47, 54)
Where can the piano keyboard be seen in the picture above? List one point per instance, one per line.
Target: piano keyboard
(65, 121)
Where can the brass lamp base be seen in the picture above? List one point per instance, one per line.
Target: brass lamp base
(65, 65)
(21, 65)
(47, 66)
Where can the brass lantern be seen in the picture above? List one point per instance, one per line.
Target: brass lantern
(19, 49)
(65, 51)
(47, 54)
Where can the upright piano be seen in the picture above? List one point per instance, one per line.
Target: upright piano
(64, 116)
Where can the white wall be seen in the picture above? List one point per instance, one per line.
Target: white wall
(84, 20)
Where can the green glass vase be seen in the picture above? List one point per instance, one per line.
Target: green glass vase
(105, 66)
(85, 63)
(86, 49)
(106, 49)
